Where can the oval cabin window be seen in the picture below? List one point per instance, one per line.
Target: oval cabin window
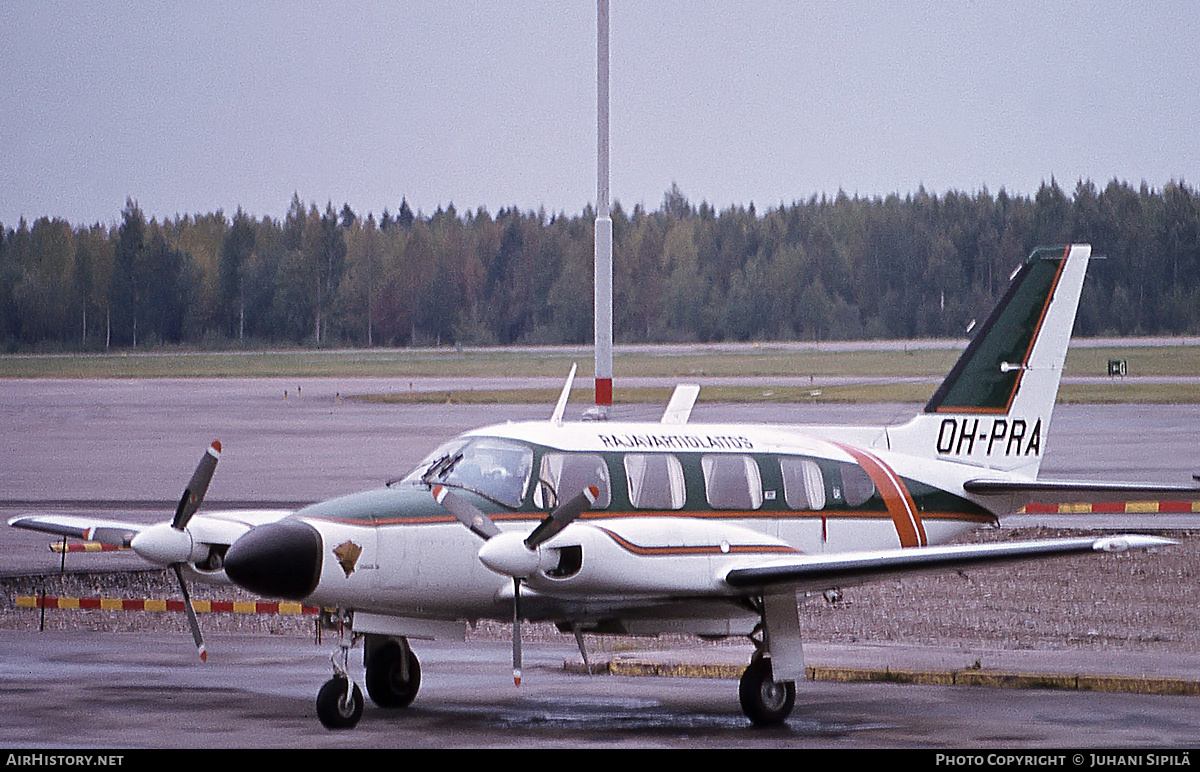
(857, 485)
(561, 476)
(803, 483)
(655, 481)
(732, 482)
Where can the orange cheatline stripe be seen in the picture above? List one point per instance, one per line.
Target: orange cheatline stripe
(150, 604)
(896, 497)
(705, 549)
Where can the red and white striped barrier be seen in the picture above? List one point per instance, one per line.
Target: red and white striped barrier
(201, 606)
(85, 546)
(1113, 508)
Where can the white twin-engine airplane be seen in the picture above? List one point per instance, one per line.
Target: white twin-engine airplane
(649, 528)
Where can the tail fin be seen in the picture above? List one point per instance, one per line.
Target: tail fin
(993, 410)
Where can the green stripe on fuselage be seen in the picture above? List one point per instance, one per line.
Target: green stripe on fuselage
(407, 504)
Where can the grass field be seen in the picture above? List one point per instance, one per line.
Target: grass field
(1116, 394)
(492, 362)
(671, 362)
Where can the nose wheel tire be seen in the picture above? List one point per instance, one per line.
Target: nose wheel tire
(765, 701)
(338, 705)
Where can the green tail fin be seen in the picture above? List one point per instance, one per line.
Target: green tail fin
(994, 407)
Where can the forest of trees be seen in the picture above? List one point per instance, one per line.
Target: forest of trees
(922, 265)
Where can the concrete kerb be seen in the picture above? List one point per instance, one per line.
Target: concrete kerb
(671, 665)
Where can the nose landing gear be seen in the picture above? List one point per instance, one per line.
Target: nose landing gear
(393, 676)
(340, 701)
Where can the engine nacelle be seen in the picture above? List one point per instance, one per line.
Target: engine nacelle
(617, 557)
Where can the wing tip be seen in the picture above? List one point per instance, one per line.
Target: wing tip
(1126, 542)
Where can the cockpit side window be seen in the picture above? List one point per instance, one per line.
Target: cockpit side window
(655, 481)
(732, 482)
(561, 476)
(803, 483)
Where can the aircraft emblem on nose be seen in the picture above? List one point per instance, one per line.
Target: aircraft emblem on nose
(347, 554)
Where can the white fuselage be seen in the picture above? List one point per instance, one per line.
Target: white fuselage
(409, 558)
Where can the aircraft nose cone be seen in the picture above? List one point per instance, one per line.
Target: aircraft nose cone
(277, 560)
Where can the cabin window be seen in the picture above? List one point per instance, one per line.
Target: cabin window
(655, 481)
(562, 476)
(803, 483)
(732, 482)
(857, 485)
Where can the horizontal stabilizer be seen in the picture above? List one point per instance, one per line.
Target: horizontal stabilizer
(816, 573)
(1072, 488)
(1022, 492)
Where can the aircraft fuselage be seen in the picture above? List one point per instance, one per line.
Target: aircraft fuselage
(703, 496)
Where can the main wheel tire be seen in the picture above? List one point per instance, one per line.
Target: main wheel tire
(385, 676)
(338, 706)
(765, 701)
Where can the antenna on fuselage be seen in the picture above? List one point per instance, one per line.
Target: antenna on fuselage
(604, 232)
(557, 416)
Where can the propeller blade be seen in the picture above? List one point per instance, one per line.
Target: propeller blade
(562, 517)
(467, 513)
(191, 613)
(193, 494)
(517, 631)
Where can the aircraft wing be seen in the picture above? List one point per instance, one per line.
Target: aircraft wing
(113, 532)
(1077, 492)
(213, 528)
(822, 572)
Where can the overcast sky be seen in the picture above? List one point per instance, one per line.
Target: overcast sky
(197, 106)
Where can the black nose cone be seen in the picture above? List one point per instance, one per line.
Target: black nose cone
(277, 560)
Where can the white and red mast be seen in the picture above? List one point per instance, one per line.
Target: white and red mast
(604, 232)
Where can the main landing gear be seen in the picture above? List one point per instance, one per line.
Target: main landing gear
(393, 671)
(765, 701)
(393, 678)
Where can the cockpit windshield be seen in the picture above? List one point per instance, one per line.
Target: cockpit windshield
(494, 468)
